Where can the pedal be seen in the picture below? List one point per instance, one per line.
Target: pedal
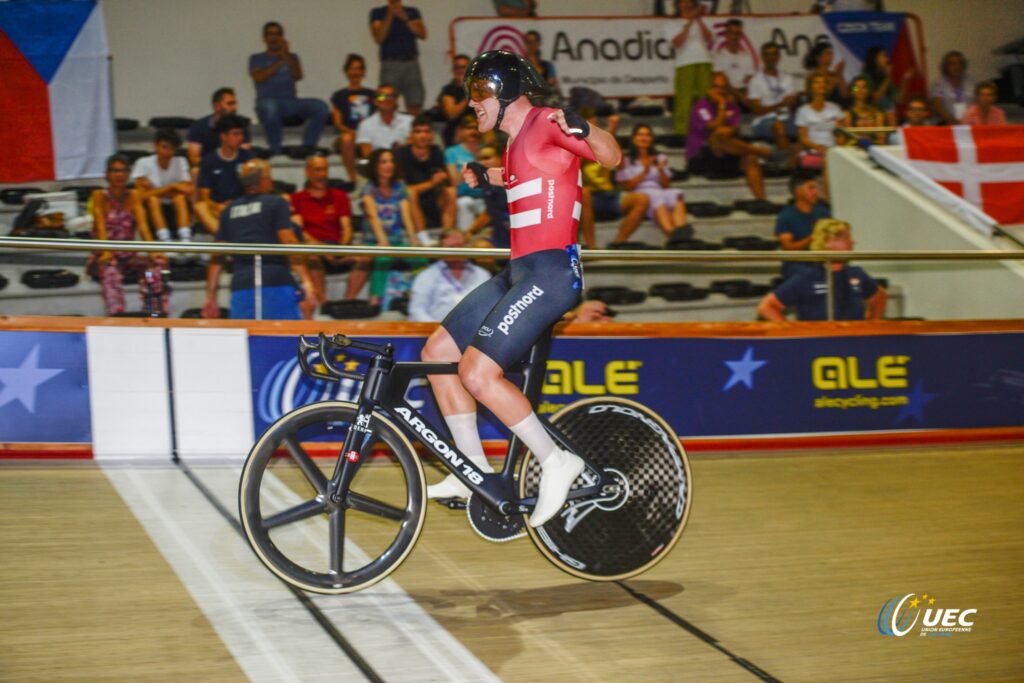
(452, 503)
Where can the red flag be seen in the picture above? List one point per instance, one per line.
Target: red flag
(982, 164)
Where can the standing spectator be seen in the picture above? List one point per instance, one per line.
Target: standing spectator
(647, 172)
(692, 42)
(421, 163)
(856, 296)
(218, 172)
(516, 8)
(203, 137)
(816, 122)
(275, 73)
(819, 62)
(862, 113)
(387, 127)
(734, 59)
(325, 216)
(452, 101)
(773, 98)
(984, 111)
(951, 93)
(469, 201)
(258, 217)
(349, 107)
(714, 145)
(117, 214)
(444, 283)
(396, 28)
(885, 94)
(794, 224)
(545, 68)
(164, 182)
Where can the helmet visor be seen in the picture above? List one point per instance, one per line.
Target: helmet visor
(479, 89)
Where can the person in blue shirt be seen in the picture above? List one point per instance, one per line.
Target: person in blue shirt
(795, 222)
(218, 181)
(855, 295)
(396, 29)
(275, 73)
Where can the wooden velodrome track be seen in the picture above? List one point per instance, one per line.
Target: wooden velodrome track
(139, 573)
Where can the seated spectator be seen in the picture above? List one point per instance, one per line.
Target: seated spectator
(118, 214)
(325, 216)
(440, 286)
(349, 107)
(818, 62)
(816, 123)
(713, 143)
(218, 180)
(734, 60)
(386, 128)
(275, 73)
(545, 68)
(452, 101)
(918, 114)
(885, 93)
(601, 196)
(953, 91)
(984, 111)
(862, 113)
(855, 295)
(516, 8)
(646, 171)
(258, 217)
(794, 224)
(388, 222)
(164, 182)
(421, 163)
(203, 136)
(496, 214)
(773, 98)
(469, 200)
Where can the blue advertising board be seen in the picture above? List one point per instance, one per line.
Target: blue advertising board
(44, 388)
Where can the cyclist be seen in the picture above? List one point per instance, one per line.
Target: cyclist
(498, 322)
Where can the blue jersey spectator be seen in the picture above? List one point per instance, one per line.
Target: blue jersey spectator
(794, 224)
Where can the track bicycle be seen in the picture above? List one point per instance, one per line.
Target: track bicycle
(362, 508)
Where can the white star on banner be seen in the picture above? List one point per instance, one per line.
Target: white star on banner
(20, 383)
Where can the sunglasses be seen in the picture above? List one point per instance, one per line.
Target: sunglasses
(381, 98)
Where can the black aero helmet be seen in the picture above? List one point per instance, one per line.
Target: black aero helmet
(504, 76)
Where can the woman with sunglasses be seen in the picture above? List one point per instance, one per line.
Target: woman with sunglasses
(493, 327)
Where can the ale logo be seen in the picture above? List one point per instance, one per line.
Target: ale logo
(899, 616)
(504, 37)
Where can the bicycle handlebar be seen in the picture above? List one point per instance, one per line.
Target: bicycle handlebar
(334, 373)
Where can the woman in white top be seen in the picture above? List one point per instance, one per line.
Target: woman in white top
(816, 124)
(952, 92)
(646, 171)
(692, 43)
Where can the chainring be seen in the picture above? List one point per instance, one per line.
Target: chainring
(490, 524)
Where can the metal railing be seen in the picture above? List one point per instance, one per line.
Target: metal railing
(640, 255)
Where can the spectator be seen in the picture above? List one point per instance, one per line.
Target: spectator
(862, 113)
(692, 42)
(203, 136)
(164, 182)
(855, 295)
(516, 8)
(396, 28)
(819, 62)
(885, 94)
(602, 197)
(469, 201)
(388, 222)
(591, 311)
(545, 68)
(714, 145)
(795, 223)
(118, 214)
(325, 216)
(258, 217)
(275, 73)
(773, 98)
(444, 283)
(735, 60)
(984, 111)
(496, 204)
(816, 123)
(452, 101)
(646, 171)
(951, 93)
(349, 107)
(386, 128)
(218, 172)
(918, 114)
(421, 163)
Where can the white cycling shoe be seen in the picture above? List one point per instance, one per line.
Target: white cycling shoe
(558, 472)
(451, 487)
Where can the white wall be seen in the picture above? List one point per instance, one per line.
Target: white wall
(169, 55)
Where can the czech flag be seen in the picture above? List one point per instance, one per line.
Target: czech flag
(55, 109)
(982, 164)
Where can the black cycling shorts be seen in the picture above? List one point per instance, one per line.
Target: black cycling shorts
(506, 315)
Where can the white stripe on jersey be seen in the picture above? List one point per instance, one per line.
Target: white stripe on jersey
(523, 190)
(524, 219)
(576, 209)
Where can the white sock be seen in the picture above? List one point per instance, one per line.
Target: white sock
(531, 432)
(185, 233)
(467, 438)
(163, 234)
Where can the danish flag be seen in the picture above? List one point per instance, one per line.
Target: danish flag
(982, 164)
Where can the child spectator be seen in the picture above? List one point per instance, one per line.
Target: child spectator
(164, 182)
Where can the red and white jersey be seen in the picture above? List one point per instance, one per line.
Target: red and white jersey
(544, 184)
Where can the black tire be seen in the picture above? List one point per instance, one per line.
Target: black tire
(379, 523)
(626, 535)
